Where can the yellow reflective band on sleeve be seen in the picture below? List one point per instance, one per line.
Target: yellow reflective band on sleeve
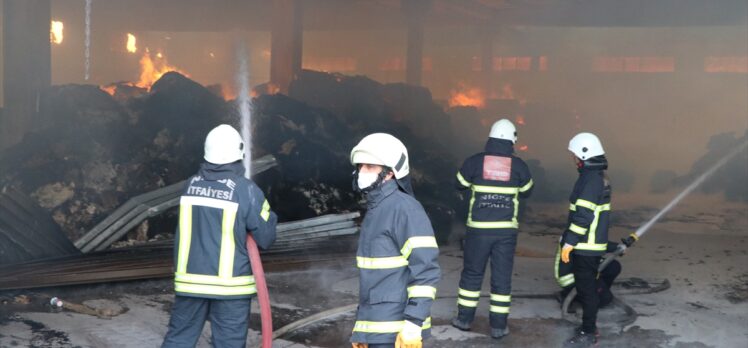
(499, 309)
(422, 291)
(577, 229)
(527, 186)
(426, 324)
(468, 293)
(213, 280)
(587, 204)
(496, 189)
(417, 242)
(501, 298)
(214, 289)
(228, 245)
(381, 262)
(462, 180)
(572, 207)
(265, 213)
(185, 236)
(492, 224)
(467, 303)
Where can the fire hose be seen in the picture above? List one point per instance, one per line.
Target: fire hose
(266, 317)
(631, 239)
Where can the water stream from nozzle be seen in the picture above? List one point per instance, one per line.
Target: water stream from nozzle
(644, 228)
(245, 112)
(87, 52)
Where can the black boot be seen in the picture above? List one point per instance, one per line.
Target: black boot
(578, 329)
(581, 340)
(499, 333)
(462, 325)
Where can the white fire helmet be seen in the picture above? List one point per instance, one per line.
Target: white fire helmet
(384, 150)
(223, 145)
(586, 146)
(504, 129)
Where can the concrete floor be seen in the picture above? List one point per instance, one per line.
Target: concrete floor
(701, 247)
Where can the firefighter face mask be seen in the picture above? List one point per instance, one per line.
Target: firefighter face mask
(365, 180)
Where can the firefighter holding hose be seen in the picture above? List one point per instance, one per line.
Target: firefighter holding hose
(397, 252)
(213, 278)
(586, 237)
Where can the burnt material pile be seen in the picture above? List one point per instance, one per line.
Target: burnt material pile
(96, 151)
(93, 152)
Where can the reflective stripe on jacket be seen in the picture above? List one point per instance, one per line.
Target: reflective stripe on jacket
(589, 213)
(496, 179)
(217, 210)
(397, 260)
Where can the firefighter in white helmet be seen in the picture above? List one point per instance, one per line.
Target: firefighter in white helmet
(585, 239)
(497, 179)
(397, 252)
(213, 277)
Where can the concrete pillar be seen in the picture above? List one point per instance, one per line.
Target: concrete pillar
(26, 65)
(286, 43)
(486, 59)
(415, 13)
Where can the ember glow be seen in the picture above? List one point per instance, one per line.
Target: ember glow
(507, 92)
(56, 32)
(110, 89)
(467, 96)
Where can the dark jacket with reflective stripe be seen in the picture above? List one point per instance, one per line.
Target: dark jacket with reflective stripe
(398, 263)
(497, 179)
(217, 210)
(589, 213)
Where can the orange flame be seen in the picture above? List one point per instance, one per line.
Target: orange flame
(467, 96)
(523, 148)
(520, 120)
(151, 71)
(227, 92)
(131, 43)
(111, 89)
(56, 32)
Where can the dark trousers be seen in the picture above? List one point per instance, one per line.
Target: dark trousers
(603, 283)
(585, 278)
(229, 321)
(382, 345)
(479, 248)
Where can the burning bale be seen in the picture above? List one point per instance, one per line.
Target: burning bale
(103, 149)
(97, 152)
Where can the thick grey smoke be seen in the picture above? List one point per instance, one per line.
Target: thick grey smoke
(730, 180)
